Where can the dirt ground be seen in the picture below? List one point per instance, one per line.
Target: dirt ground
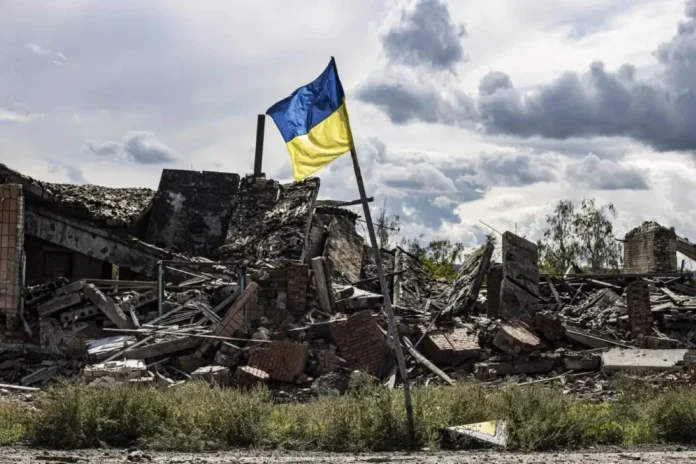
(27, 455)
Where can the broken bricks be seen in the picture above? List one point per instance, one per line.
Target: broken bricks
(515, 338)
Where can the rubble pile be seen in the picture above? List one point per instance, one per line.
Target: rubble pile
(242, 282)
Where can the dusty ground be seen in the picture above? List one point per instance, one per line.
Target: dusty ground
(666, 455)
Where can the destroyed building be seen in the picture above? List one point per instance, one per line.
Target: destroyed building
(245, 281)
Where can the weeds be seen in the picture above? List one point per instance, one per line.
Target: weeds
(198, 417)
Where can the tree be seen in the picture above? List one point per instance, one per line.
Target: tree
(584, 237)
(438, 257)
(388, 225)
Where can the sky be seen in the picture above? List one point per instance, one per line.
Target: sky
(464, 112)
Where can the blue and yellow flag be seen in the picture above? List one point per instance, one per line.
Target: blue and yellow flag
(314, 123)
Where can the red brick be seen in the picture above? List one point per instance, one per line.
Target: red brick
(327, 362)
(249, 377)
(283, 361)
(449, 346)
(361, 343)
(639, 312)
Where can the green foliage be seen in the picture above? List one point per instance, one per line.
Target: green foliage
(198, 417)
(584, 237)
(438, 257)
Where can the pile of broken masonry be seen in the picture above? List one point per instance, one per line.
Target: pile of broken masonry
(293, 301)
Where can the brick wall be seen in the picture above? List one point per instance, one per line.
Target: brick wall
(11, 246)
(297, 281)
(283, 361)
(639, 313)
(650, 248)
(361, 343)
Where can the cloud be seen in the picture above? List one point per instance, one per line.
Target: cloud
(72, 172)
(426, 36)
(9, 116)
(406, 96)
(602, 174)
(58, 57)
(510, 169)
(141, 147)
(659, 111)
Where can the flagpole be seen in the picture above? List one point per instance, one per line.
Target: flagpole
(385, 293)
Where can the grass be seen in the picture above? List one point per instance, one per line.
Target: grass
(198, 417)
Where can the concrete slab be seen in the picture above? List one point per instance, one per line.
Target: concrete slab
(628, 359)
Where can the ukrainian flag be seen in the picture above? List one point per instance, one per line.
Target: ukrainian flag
(314, 123)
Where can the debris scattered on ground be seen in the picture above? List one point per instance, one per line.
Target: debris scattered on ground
(242, 282)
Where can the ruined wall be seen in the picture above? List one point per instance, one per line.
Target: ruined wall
(519, 292)
(46, 262)
(270, 221)
(11, 247)
(344, 248)
(650, 248)
(191, 211)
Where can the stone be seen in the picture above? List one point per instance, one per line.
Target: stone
(361, 343)
(657, 343)
(516, 339)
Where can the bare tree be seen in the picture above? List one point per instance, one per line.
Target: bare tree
(388, 225)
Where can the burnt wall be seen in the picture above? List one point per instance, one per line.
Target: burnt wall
(650, 248)
(46, 262)
(192, 210)
(270, 221)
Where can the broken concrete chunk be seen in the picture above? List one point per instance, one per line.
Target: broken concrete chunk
(108, 307)
(72, 287)
(217, 375)
(58, 304)
(250, 377)
(516, 339)
(344, 249)
(491, 370)
(519, 293)
(657, 343)
(120, 370)
(637, 359)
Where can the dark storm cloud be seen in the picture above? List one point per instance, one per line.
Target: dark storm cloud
(427, 36)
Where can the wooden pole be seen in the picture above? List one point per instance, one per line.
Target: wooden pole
(258, 156)
(385, 293)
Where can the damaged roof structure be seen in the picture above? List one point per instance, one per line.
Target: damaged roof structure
(245, 281)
